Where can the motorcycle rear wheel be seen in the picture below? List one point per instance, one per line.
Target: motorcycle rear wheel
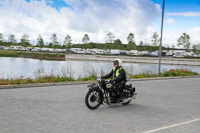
(93, 98)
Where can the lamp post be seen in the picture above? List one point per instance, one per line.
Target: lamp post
(160, 48)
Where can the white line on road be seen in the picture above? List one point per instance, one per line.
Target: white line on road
(171, 126)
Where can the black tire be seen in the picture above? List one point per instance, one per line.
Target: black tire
(93, 96)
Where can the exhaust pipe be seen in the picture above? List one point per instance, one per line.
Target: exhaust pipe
(108, 102)
(130, 98)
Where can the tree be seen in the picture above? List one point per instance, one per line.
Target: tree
(50, 45)
(184, 41)
(155, 39)
(196, 48)
(131, 46)
(54, 40)
(118, 44)
(40, 41)
(110, 37)
(130, 38)
(67, 40)
(141, 43)
(24, 40)
(85, 38)
(117, 41)
(173, 46)
(12, 39)
(1, 37)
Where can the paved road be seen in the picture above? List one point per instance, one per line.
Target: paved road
(162, 106)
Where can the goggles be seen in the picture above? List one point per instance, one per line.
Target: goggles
(115, 63)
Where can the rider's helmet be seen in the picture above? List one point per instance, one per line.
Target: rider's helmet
(118, 60)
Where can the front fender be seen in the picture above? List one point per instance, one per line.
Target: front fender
(96, 88)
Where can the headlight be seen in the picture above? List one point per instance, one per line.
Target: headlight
(108, 85)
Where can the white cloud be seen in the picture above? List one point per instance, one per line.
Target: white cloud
(171, 21)
(195, 35)
(95, 18)
(149, 34)
(158, 7)
(171, 37)
(185, 14)
(171, 34)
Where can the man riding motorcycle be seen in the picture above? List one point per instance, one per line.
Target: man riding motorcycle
(118, 76)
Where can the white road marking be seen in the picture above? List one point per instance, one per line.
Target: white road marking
(171, 126)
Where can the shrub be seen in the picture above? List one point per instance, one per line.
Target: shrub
(178, 72)
(4, 82)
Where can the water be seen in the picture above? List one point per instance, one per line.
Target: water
(16, 67)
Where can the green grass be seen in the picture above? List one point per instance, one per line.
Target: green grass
(67, 76)
(40, 55)
(46, 79)
(5, 53)
(91, 78)
(144, 74)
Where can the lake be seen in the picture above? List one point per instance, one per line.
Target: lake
(26, 67)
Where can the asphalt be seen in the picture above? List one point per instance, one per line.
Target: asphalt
(161, 106)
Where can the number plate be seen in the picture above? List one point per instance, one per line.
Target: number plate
(98, 77)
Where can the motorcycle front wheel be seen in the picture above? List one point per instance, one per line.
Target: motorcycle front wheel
(93, 98)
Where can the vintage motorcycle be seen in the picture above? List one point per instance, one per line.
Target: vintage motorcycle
(104, 92)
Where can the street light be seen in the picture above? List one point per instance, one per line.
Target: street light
(160, 48)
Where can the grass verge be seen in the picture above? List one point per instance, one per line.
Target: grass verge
(92, 76)
(37, 55)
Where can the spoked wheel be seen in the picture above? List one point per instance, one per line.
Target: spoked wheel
(93, 98)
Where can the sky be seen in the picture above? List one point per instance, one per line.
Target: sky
(98, 17)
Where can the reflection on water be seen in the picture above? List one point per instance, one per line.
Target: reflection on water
(12, 67)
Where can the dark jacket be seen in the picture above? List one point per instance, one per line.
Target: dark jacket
(121, 76)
